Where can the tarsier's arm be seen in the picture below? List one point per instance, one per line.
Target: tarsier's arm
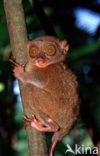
(27, 77)
(32, 79)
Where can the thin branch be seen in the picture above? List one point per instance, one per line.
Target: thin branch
(18, 38)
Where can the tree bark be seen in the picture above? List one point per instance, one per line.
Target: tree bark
(18, 38)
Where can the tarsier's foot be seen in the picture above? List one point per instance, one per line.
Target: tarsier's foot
(38, 125)
(18, 68)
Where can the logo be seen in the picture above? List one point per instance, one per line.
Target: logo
(81, 150)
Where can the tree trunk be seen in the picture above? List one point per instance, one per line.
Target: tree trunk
(18, 38)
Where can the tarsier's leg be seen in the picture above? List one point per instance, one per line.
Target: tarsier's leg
(48, 122)
(39, 126)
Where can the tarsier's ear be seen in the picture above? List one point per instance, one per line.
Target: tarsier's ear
(64, 46)
(28, 44)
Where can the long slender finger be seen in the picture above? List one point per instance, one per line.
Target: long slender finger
(14, 62)
(26, 119)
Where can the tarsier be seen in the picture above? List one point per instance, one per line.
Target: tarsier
(50, 88)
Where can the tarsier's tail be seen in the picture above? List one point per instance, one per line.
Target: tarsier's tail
(56, 138)
(52, 148)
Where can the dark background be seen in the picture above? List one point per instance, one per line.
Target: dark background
(78, 21)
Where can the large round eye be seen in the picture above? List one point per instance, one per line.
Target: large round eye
(33, 51)
(50, 50)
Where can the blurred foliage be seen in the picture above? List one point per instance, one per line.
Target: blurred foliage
(53, 17)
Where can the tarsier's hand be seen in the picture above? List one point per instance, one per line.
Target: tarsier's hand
(18, 68)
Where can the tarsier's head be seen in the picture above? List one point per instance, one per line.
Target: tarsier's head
(46, 50)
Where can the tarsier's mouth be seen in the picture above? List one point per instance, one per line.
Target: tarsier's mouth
(42, 63)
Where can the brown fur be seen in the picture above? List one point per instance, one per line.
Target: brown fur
(58, 99)
(50, 91)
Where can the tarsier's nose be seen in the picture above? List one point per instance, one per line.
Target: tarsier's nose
(41, 56)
